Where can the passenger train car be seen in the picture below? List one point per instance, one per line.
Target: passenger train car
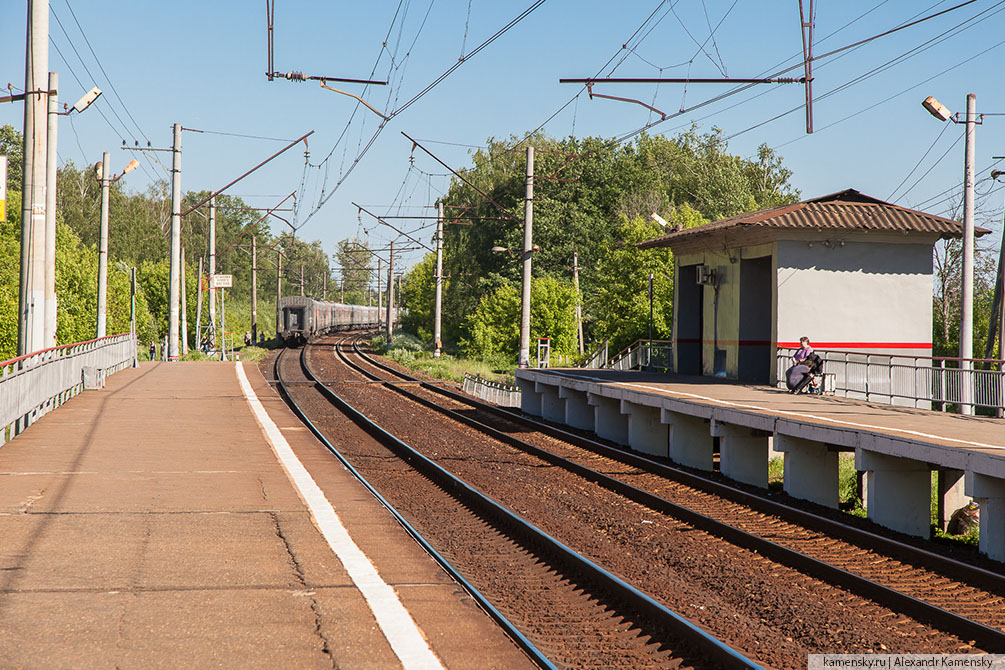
(303, 318)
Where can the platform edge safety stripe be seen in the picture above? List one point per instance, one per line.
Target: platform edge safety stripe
(395, 622)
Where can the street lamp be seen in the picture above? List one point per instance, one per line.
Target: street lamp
(101, 169)
(966, 351)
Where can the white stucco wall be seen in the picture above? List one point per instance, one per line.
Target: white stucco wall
(871, 294)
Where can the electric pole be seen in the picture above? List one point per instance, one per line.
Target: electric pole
(106, 182)
(301, 279)
(51, 163)
(254, 289)
(528, 236)
(174, 280)
(279, 291)
(380, 294)
(390, 296)
(967, 294)
(437, 315)
(579, 301)
(198, 309)
(212, 271)
(31, 300)
(184, 305)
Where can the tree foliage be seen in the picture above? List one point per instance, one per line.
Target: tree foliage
(594, 197)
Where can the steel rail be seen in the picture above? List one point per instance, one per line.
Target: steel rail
(483, 602)
(986, 579)
(991, 639)
(539, 542)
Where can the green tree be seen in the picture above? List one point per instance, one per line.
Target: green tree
(418, 295)
(12, 146)
(354, 263)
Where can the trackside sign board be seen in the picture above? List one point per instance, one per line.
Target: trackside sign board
(221, 281)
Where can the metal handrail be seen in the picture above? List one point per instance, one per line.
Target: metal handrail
(36, 383)
(492, 391)
(919, 381)
(649, 354)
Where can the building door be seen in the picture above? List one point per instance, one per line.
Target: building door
(690, 326)
(755, 354)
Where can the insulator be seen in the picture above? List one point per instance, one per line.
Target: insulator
(296, 76)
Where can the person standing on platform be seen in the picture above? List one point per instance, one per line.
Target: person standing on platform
(153, 350)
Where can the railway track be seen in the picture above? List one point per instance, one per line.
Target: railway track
(952, 597)
(561, 607)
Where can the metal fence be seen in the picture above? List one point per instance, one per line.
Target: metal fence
(598, 358)
(948, 384)
(655, 355)
(490, 391)
(32, 385)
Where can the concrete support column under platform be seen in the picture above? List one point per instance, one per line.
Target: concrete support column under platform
(646, 433)
(743, 453)
(611, 424)
(690, 440)
(989, 492)
(552, 406)
(811, 470)
(952, 494)
(530, 399)
(578, 412)
(898, 491)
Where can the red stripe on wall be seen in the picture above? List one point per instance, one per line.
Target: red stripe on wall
(861, 345)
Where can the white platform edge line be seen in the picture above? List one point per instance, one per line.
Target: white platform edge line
(394, 620)
(783, 412)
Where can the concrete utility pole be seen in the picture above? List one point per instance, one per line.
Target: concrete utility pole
(967, 294)
(254, 289)
(198, 309)
(390, 296)
(212, 271)
(528, 245)
(132, 316)
(184, 305)
(174, 279)
(31, 299)
(51, 163)
(579, 301)
(106, 182)
(301, 279)
(279, 290)
(324, 285)
(380, 294)
(438, 278)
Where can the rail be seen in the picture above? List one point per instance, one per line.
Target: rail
(490, 391)
(598, 358)
(36, 383)
(947, 384)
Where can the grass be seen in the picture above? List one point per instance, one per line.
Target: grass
(409, 351)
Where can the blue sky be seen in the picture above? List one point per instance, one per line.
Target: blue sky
(202, 65)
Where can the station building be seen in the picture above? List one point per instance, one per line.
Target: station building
(849, 271)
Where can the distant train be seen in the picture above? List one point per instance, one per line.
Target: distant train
(303, 318)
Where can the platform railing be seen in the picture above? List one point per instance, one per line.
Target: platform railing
(655, 355)
(598, 358)
(918, 381)
(490, 391)
(36, 383)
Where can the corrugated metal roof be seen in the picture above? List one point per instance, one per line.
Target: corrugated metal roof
(846, 210)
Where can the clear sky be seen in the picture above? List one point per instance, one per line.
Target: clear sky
(202, 64)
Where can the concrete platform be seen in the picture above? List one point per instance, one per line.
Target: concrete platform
(151, 524)
(677, 417)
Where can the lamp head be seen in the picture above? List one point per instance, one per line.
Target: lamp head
(937, 109)
(86, 101)
(133, 164)
(99, 171)
(500, 250)
(996, 173)
(659, 219)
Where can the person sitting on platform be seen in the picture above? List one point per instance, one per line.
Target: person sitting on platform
(804, 374)
(804, 350)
